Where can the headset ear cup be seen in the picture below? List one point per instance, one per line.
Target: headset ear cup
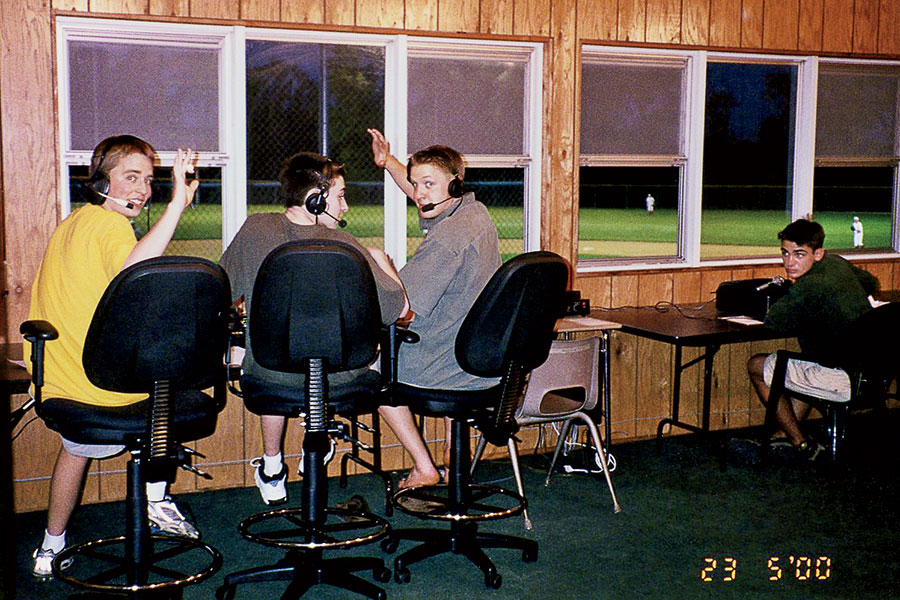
(100, 185)
(316, 203)
(456, 189)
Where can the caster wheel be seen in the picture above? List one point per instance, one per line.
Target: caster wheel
(389, 545)
(401, 575)
(493, 581)
(382, 576)
(529, 555)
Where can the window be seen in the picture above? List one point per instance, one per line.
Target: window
(632, 154)
(745, 156)
(856, 153)
(249, 98)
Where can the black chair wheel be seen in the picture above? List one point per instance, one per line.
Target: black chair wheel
(401, 575)
(382, 575)
(529, 555)
(389, 545)
(225, 592)
(493, 580)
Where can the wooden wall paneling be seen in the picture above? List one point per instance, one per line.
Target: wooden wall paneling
(596, 288)
(261, 10)
(895, 278)
(725, 23)
(340, 12)
(655, 366)
(752, 23)
(710, 280)
(169, 8)
(837, 35)
(888, 30)
(597, 20)
(109, 476)
(781, 24)
(664, 21)
(216, 9)
(695, 22)
(686, 287)
(866, 26)
(69, 5)
(560, 131)
(623, 384)
(496, 17)
(810, 25)
(224, 449)
(532, 17)
(27, 115)
(422, 14)
(120, 7)
(380, 13)
(882, 270)
(458, 16)
(632, 22)
(303, 12)
(34, 450)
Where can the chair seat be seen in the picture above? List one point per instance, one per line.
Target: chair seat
(445, 403)
(361, 395)
(195, 418)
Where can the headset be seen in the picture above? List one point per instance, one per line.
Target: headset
(97, 180)
(317, 202)
(456, 188)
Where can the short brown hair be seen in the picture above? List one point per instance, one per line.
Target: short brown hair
(444, 157)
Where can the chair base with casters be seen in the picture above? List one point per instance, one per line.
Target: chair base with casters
(374, 449)
(463, 505)
(308, 531)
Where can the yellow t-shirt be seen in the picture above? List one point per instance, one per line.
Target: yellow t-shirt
(85, 253)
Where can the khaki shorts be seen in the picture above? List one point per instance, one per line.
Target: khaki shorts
(812, 379)
(91, 450)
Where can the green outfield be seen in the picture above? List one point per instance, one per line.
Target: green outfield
(603, 233)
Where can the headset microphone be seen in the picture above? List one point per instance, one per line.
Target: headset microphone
(119, 201)
(341, 222)
(432, 205)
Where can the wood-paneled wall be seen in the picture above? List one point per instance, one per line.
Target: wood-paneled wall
(30, 187)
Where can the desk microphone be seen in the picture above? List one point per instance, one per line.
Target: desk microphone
(341, 222)
(777, 280)
(432, 205)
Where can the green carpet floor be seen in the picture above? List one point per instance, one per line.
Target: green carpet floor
(779, 529)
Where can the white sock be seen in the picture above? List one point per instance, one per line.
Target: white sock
(53, 542)
(272, 464)
(156, 491)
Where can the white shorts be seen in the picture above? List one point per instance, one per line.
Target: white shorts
(91, 450)
(812, 379)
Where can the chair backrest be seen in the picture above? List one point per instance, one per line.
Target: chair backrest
(162, 319)
(869, 344)
(512, 320)
(571, 365)
(314, 299)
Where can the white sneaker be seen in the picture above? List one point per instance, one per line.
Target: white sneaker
(43, 563)
(271, 487)
(165, 518)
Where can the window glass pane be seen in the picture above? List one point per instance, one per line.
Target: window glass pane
(841, 193)
(748, 157)
(167, 95)
(502, 191)
(199, 231)
(476, 106)
(631, 109)
(615, 219)
(857, 111)
(316, 98)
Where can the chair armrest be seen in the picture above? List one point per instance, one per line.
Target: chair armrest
(37, 332)
(392, 336)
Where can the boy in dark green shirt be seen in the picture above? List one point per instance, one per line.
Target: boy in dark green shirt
(828, 294)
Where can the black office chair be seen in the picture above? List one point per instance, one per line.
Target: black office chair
(506, 334)
(160, 329)
(315, 311)
(867, 351)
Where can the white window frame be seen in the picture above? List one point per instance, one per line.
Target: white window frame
(691, 186)
(230, 41)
